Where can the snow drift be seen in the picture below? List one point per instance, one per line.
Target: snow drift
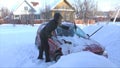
(83, 60)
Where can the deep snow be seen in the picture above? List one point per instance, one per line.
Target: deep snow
(17, 48)
(108, 36)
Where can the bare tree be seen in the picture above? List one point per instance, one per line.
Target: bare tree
(5, 15)
(85, 9)
(45, 13)
(4, 12)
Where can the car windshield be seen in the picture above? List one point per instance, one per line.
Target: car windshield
(79, 32)
(65, 30)
(69, 30)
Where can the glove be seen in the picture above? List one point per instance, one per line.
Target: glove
(50, 35)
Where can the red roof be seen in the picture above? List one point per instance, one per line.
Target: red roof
(34, 3)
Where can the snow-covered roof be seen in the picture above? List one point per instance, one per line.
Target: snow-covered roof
(56, 2)
(40, 5)
(26, 7)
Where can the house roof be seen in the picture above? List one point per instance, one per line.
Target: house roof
(56, 2)
(37, 6)
(35, 3)
(26, 7)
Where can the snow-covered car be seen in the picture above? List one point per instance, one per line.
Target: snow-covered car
(69, 38)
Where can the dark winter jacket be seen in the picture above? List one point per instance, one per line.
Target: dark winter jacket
(47, 30)
(50, 26)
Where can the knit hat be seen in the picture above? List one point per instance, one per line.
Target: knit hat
(57, 16)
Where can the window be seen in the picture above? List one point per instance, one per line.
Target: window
(16, 17)
(26, 8)
(65, 30)
(37, 16)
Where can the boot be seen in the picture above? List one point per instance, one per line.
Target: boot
(48, 60)
(40, 58)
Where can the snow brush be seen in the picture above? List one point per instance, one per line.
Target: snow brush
(98, 29)
(106, 23)
(75, 26)
(95, 31)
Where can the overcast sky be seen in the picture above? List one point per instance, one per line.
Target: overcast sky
(104, 5)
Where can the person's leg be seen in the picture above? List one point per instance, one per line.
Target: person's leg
(41, 52)
(47, 52)
(41, 49)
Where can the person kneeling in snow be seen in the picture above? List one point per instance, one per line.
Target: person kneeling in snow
(46, 33)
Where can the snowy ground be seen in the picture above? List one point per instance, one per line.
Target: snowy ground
(17, 48)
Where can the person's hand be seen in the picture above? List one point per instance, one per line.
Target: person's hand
(64, 27)
(49, 36)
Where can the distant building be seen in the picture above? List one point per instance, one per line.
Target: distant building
(102, 16)
(27, 12)
(106, 16)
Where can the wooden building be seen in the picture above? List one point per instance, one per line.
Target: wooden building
(66, 10)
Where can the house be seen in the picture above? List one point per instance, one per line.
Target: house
(26, 13)
(29, 12)
(102, 16)
(65, 8)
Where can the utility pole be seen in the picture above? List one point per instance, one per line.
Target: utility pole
(116, 15)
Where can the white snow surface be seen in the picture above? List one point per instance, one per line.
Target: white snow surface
(17, 48)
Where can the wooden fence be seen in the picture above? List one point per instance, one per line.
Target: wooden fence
(90, 21)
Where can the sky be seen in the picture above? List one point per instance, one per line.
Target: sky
(104, 5)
